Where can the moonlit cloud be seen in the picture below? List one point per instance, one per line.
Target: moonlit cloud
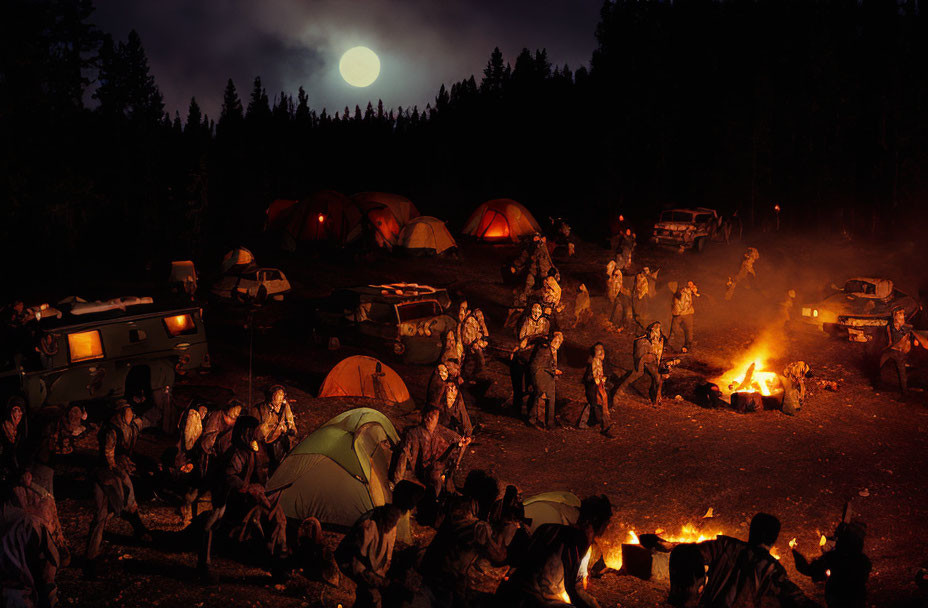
(195, 45)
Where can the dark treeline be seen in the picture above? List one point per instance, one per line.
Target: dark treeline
(818, 105)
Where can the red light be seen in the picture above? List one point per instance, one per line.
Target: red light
(621, 218)
(321, 218)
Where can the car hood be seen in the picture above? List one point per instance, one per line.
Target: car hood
(843, 304)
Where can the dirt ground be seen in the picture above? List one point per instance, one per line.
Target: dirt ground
(667, 466)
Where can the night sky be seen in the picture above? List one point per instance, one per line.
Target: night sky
(194, 46)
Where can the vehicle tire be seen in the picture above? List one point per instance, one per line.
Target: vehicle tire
(701, 244)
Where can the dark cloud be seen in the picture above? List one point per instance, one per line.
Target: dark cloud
(195, 45)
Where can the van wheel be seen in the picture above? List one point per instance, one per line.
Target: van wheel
(701, 244)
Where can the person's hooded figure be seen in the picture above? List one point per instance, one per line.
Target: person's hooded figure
(13, 433)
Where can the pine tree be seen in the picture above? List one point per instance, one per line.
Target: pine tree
(259, 106)
(231, 106)
(494, 75)
(302, 107)
(144, 102)
(194, 117)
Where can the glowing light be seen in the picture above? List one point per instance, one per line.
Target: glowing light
(321, 218)
(793, 544)
(822, 541)
(359, 66)
(179, 324)
(85, 345)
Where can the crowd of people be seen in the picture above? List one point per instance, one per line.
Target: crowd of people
(228, 451)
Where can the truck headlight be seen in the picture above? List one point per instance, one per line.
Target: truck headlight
(815, 313)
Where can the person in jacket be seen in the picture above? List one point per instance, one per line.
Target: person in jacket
(739, 574)
(844, 568)
(276, 425)
(534, 328)
(113, 490)
(648, 355)
(544, 372)
(596, 411)
(682, 312)
(557, 561)
(899, 341)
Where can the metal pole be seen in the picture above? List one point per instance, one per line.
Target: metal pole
(251, 350)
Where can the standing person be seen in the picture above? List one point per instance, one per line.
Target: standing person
(424, 451)
(583, 312)
(544, 371)
(551, 292)
(682, 313)
(746, 270)
(472, 334)
(740, 574)
(648, 353)
(845, 568)
(454, 414)
(234, 483)
(114, 493)
(13, 433)
(520, 298)
(557, 560)
(276, 424)
(534, 328)
(596, 410)
(899, 344)
(620, 314)
(641, 297)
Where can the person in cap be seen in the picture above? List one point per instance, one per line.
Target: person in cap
(113, 490)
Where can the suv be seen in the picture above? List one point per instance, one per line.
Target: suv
(861, 308)
(685, 228)
(412, 317)
(82, 350)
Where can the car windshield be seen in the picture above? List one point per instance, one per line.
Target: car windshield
(855, 286)
(418, 310)
(676, 216)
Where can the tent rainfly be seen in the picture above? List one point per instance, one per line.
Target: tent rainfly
(426, 235)
(361, 376)
(552, 508)
(501, 220)
(340, 471)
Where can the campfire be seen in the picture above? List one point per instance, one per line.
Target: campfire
(749, 384)
(648, 556)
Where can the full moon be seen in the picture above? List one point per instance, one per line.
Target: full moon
(359, 66)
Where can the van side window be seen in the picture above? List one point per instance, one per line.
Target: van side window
(85, 346)
(179, 325)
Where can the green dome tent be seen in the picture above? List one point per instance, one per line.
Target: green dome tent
(340, 471)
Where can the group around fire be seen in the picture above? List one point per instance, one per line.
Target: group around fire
(229, 451)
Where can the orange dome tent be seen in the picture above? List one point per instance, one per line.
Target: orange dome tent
(325, 216)
(501, 220)
(387, 213)
(361, 376)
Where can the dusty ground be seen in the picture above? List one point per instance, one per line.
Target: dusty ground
(667, 466)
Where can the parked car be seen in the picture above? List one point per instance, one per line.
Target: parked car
(686, 228)
(412, 318)
(861, 308)
(254, 283)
